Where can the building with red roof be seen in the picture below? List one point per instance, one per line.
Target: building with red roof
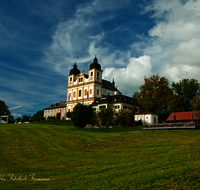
(183, 117)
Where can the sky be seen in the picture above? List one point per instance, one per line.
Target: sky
(40, 40)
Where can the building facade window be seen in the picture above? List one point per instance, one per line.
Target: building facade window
(97, 91)
(74, 94)
(91, 74)
(125, 107)
(79, 93)
(81, 79)
(85, 92)
(90, 91)
(117, 106)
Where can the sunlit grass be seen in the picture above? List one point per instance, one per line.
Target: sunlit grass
(104, 158)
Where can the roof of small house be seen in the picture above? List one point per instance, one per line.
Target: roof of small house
(183, 116)
(56, 105)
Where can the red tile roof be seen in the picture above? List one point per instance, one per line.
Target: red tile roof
(183, 116)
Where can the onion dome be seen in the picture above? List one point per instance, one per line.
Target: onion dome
(95, 64)
(74, 71)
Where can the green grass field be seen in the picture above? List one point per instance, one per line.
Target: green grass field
(59, 156)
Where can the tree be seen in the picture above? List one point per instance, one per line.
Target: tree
(105, 116)
(11, 119)
(5, 111)
(26, 118)
(196, 104)
(124, 118)
(68, 114)
(18, 119)
(81, 115)
(187, 89)
(135, 94)
(38, 116)
(154, 93)
(176, 103)
(4, 108)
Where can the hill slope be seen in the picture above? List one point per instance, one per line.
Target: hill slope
(57, 156)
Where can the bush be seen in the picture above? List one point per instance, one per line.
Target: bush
(138, 123)
(105, 117)
(82, 115)
(69, 114)
(124, 118)
(51, 118)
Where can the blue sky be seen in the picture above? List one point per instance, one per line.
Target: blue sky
(133, 38)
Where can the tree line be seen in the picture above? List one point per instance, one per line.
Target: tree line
(157, 94)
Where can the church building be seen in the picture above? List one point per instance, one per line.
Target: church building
(91, 89)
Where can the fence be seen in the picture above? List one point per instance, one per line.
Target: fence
(188, 125)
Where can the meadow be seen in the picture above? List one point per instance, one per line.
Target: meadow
(52, 155)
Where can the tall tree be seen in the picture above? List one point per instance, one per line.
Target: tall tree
(187, 89)
(196, 104)
(4, 108)
(154, 93)
(176, 103)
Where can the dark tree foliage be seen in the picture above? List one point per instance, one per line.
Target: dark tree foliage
(81, 115)
(11, 119)
(196, 104)
(124, 118)
(58, 116)
(18, 119)
(187, 89)
(26, 118)
(4, 108)
(105, 117)
(154, 93)
(69, 114)
(176, 103)
(38, 116)
(5, 111)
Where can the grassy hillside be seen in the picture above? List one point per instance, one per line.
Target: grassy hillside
(59, 156)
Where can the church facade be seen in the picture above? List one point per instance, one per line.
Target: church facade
(91, 89)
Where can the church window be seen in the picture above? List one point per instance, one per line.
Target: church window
(79, 93)
(91, 74)
(97, 91)
(90, 91)
(74, 94)
(70, 78)
(81, 79)
(85, 92)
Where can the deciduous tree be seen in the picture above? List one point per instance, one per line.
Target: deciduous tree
(187, 89)
(4, 108)
(154, 93)
(176, 103)
(81, 115)
(196, 104)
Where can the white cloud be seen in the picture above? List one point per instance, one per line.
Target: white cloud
(130, 77)
(175, 39)
(180, 21)
(15, 107)
(187, 53)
